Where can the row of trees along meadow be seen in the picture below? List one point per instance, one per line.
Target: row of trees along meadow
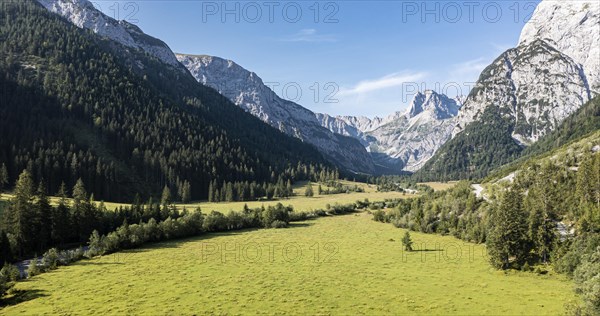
(519, 224)
(281, 187)
(30, 212)
(30, 224)
(399, 183)
(336, 187)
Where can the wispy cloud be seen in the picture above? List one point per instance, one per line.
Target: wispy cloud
(388, 81)
(310, 35)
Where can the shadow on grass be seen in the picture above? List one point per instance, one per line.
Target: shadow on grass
(103, 263)
(426, 250)
(20, 296)
(299, 225)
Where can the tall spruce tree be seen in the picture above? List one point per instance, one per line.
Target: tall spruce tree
(60, 218)
(84, 217)
(211, 192)
(18, 218)
(508, 241)
(541, 201)
(186, 192)
(166, 196)
(43, 217)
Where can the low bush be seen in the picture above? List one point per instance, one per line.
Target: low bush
(33, 269)
(50, 260)
(279, 224)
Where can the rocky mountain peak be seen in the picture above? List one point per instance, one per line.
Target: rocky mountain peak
(438, 105)
(83, 14)
(547, 77)
(573, 28)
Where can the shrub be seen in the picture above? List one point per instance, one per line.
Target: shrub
(320, 212)
(279, 224)
(298, 216)
(342, 209)
(77, 254)
(587, 277)
(273, 213)
(5, 284)
(375, 206)
(362, 204)
(379, 216)
(215, 221)
(50, 259)
(11, 272)
(96, 245)
(33, 269)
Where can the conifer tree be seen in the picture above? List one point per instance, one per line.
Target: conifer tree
(43, 217)
(211, 192)
(60, 218)
(166, 196)
(5, 250)
(229, 195)
(19, 216)
(540, 202)
(186, 192)
(79, 192)
(407, 242)
(508, 236)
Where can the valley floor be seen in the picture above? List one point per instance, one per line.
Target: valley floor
(334, 265)
(298, 201)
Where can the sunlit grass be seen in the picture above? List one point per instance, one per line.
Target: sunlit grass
(347, 265)
(439, 186)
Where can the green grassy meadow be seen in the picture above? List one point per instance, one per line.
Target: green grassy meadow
(334, 265)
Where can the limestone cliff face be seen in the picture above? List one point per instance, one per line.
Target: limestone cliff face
(553, 71)
(402, 141)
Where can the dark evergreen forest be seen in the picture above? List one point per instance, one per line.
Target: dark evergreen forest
(76, 106)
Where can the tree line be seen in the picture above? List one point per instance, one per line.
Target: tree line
(30, 224)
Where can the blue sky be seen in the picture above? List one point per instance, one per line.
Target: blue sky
(340, 57)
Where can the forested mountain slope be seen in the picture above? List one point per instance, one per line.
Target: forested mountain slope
(481, 147)
(76, 105)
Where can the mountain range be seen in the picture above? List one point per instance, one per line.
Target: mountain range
(523, 95)
(526, 92)
(403, 140)
(247, 90)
